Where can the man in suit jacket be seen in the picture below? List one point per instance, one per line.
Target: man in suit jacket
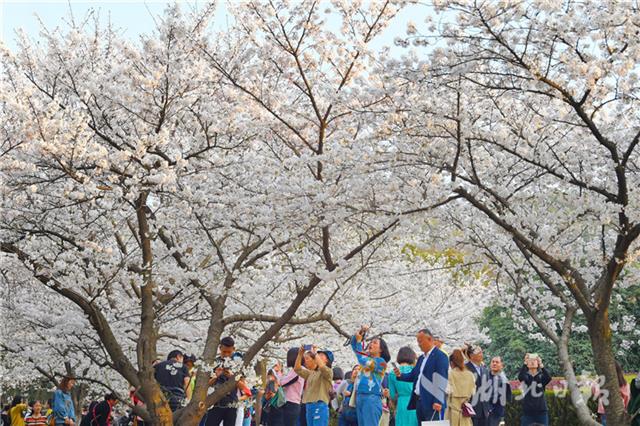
(429, 378)
(500, 391)
(481, 401)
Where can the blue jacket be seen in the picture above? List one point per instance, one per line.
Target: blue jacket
(63, 406)
(371, 371)
(433, 383)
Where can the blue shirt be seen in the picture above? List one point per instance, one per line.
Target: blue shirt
(371, 371)
(63, 406)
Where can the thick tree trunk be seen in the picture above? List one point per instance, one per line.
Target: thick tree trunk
(191, 417)
(577, 399)
(604, 360)
(193, 412)
(157, 406)
(156, 403)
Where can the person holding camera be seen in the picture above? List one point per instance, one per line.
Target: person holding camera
(429, 378)
(401, 391)
(319, 378)
(225, 410)
(17, 410)
(373, 361)
(534, 378)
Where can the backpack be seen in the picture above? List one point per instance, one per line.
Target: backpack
(90, 417)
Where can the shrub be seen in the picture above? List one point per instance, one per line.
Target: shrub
(561, 411)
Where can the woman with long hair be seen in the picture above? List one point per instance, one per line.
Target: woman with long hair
(460, 389)
(63, 409)
(373, 361)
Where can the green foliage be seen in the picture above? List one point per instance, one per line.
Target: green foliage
(512, 345)
(451, 259)
(626, 302)
(561, 412)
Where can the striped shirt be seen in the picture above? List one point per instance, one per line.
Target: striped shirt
(33, 420)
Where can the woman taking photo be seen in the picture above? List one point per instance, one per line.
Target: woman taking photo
(460, 389)
(534, 378)
(373, 363)
(319, 378)
(17, 410)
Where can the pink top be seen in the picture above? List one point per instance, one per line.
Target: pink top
(293, 392)
(625, 392)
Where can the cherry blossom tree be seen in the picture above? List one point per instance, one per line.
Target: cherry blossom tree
(528, 110)
(39, 345)
(192, 184)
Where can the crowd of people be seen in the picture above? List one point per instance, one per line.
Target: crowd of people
(59, 410)
(414, 388)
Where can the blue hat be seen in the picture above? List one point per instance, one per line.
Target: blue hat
(329, 355)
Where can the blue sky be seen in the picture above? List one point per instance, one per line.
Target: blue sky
(133, 17)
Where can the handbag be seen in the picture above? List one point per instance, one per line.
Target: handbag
(278, 400)
(467, 410)
(352, 398)
(435, 422)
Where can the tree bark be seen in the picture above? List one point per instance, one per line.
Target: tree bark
(193, 412)
(157, 405)
(78, 394)
(577, 399)
(605, 363)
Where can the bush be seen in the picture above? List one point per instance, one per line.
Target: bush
(561, 411)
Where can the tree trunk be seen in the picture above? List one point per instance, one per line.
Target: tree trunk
(193, 412)
(577, 399)
(191, 417)
(157, 406)
(261, 370)
(604, 360)
(78, 394)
